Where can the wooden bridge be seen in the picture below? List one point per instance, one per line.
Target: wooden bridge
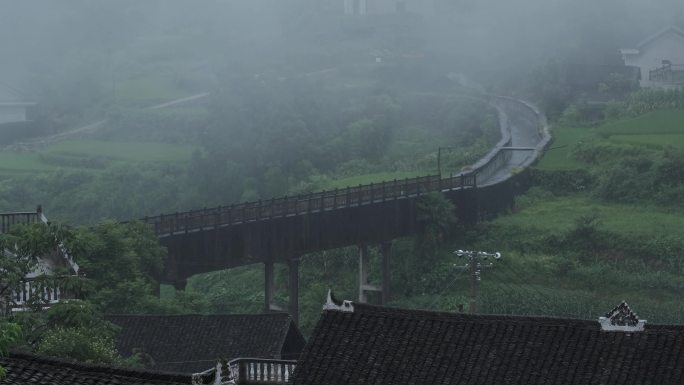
(282, 230)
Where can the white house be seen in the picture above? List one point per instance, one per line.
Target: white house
(376, 7)
(32, 289)
(12, 106)
(660, 58)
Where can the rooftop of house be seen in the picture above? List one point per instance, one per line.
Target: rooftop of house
(10, 96)
(25, 368)
(652, 38)
(358, 343)
(193, 343)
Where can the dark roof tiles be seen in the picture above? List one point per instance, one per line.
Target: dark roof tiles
(376, 345)
(36, 370)
(192, 343)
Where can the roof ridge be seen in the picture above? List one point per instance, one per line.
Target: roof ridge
(272, 314)
(659, 33)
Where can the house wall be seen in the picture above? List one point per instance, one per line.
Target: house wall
(11, 114)
(669, 46)
(373, 7)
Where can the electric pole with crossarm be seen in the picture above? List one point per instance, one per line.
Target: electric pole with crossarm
(475, 265)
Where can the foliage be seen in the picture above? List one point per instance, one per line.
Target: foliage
(9, 334)
(81, 344)
(124, 261)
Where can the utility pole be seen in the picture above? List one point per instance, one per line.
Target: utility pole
(475, 266)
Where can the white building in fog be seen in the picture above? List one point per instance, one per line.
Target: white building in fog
(12, 106)
(377, 7)
(660, 58)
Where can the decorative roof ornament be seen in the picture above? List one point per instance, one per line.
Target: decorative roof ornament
(622, 319)
(332, 303)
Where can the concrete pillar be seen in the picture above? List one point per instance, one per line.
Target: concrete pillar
(386, 250)
(363, 273)
(268, 286)
(293, 288)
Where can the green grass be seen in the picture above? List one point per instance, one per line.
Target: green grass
(558, 155)
(655, 129)
(654, 140)
(656, 122)
(11, 162)
(559, 214)
(126, 151)
(148, 90)
(78, 154)
(375, 178)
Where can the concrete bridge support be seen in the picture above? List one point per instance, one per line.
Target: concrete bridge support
(292, 288)
(364, 283)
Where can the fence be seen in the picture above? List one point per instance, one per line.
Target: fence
(248, 371)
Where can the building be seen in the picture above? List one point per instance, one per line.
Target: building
(12, 106)
(363, 344)
(660, 58)
(32, 293)
(379, 7)
(25, 368)
(193, 343)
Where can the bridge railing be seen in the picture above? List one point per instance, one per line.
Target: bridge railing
(183, 222)
(483, 170)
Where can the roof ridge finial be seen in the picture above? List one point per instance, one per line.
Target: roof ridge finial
(333, 304)
(622, 319)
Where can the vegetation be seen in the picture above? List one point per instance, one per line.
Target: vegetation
(119, 269)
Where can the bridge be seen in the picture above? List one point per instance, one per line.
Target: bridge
(282, 230)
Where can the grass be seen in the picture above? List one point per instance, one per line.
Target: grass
(559, 214)
(13, 163)
(82, 154)
(126, 151)
(655, 129)
(148, 90)
(375, 178)
(656, 122)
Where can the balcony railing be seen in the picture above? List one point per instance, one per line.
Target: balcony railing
(668, 73)
(257, 371)
(33, 293)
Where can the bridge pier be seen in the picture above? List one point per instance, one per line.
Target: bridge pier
(364, 284)
(292, 288)
(269, 288)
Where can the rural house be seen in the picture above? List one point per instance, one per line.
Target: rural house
(363, 344)
(32, 291)
(660, 58)
(12, 106)
(193, 343)
(377, 7)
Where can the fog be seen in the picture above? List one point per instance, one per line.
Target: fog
(292, 84)
(40, 38)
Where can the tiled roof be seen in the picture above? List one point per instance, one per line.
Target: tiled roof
(192, 343)
(376, 345)
(36, 370)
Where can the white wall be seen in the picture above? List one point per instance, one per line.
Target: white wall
(669, 46)
(10, 114)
